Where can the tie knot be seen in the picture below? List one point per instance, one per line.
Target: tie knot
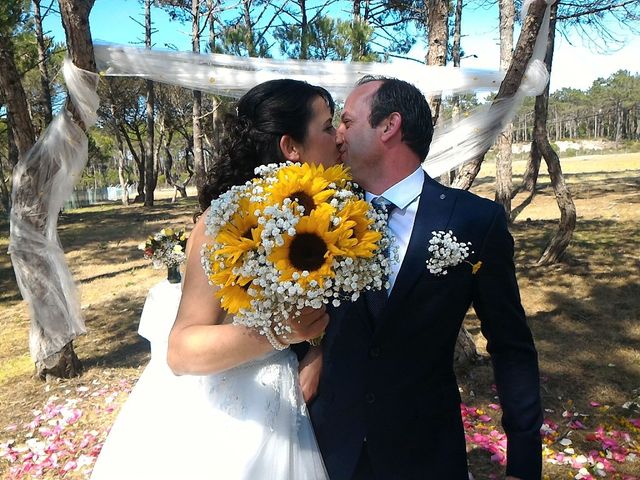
(381, 204)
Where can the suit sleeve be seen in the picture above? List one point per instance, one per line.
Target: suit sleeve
(496, 300)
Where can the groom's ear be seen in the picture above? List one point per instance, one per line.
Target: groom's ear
(289, 148)
(391, 126)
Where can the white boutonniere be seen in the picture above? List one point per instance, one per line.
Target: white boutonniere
(445, 251)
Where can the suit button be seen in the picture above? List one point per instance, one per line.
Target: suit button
(374, 352)
(370, 397)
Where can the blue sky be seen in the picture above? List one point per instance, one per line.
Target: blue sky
(574, 65)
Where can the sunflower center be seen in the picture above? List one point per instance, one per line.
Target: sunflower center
(247, 234)
(306, 252)
(303, 199)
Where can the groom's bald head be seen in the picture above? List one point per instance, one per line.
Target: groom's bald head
(395, 95)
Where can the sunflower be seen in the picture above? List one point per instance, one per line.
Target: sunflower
(302, 183)
(241, 234)
(235, 297)
(338, 174)
(311, 249)
(356, 238)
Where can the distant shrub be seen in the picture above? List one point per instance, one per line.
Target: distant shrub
(631, 146)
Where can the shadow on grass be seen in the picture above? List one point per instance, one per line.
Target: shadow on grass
(582, 312)
(111, 274)
(112, 340)
(584, 345)
(111, 223)
(94, 231)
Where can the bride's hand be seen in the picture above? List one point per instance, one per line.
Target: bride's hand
(310, 323)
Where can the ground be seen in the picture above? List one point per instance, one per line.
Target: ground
(583, 313)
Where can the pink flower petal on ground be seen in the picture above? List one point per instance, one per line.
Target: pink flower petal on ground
(594, 404)
(577, 425)
(635, 422)
(619, 457)
(494, 406)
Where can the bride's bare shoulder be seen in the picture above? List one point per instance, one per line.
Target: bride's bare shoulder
(198, 233)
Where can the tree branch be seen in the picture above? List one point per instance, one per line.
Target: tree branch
(594, 10)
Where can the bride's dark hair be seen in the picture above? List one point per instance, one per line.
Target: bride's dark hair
(252, 136)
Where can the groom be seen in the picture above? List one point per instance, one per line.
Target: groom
(388, 405)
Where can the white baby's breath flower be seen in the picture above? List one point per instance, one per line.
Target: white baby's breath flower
(446, 252)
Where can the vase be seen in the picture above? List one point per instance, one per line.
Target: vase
(173, 274)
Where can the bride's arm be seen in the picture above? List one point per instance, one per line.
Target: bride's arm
(200, 344)
(310, 370)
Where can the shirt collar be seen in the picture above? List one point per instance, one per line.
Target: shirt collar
(404, 192)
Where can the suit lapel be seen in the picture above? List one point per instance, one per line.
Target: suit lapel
(434, 211)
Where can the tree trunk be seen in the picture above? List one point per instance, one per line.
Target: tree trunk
(139, 160)
(560, 241)
(248, 39)
(618, 136)
(530, 178)
(304, 31)
(198, 154)
(124, 182)
(150, 177)
(5, 195)
(12, 148)
(466, 352)
(168, 165)
(455, 55)
(121, 149)
(504, 179)
(212, 27)
(438, 32)
(449, 177)
(21, 126)
(67, 365)
(511, 82)
(45, 98)
(43, 276)
(75, 19)
(358, 45)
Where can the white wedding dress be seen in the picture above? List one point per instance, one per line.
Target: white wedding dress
(247, 423)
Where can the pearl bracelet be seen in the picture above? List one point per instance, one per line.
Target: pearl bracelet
(274, 341)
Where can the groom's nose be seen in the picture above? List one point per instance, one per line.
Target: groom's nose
(340, 135)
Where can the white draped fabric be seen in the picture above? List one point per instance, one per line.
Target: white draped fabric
(42, 182)
(60, 155)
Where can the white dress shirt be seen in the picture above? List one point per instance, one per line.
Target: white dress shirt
(405, 195)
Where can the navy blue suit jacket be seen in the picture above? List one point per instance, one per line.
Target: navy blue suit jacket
(395, 386)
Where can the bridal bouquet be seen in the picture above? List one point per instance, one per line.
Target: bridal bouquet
(167, 247)
(296, 235)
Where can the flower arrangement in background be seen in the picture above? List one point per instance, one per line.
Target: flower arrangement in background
(165, 248)
(297, 235)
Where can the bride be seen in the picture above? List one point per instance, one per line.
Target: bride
(234, 408)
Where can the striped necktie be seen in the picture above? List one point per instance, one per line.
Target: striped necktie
(376, 299)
